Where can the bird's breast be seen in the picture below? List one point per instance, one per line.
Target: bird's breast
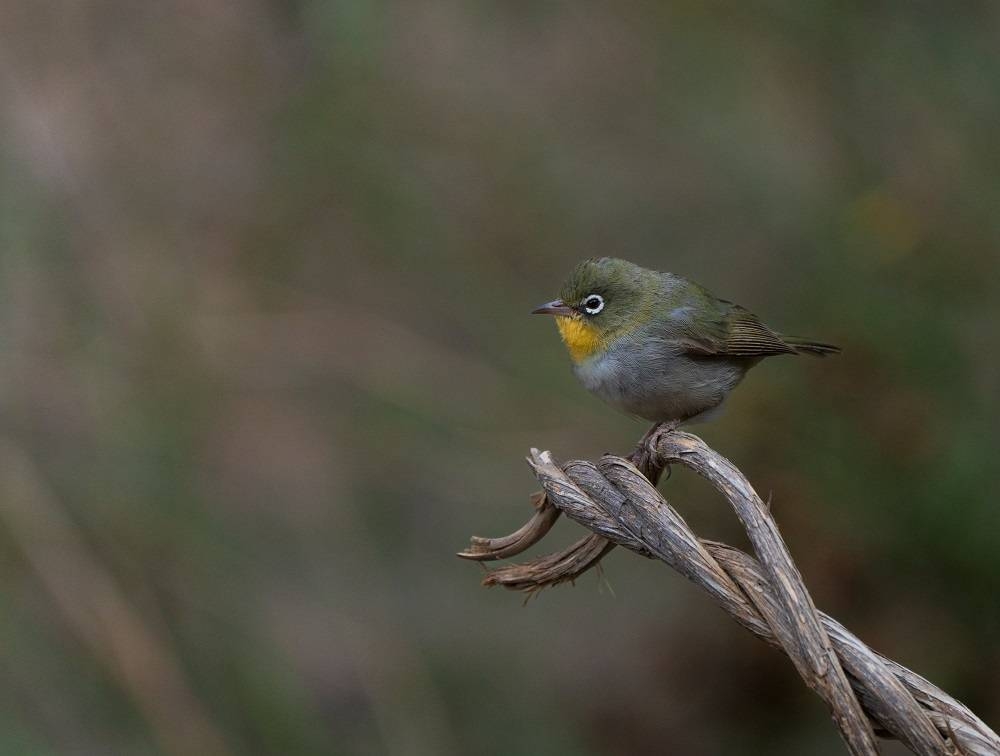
(581, 339)
(654, 379)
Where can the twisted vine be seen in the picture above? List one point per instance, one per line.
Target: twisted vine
(867, 694)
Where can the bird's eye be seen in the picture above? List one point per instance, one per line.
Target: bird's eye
(593, 304)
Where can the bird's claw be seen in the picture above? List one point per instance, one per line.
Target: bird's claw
(651, 441)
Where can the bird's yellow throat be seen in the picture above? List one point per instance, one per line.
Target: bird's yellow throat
(580, 338)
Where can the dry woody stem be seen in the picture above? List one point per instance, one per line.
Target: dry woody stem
(868, 695)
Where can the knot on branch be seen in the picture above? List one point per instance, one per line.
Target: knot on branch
(617, 500)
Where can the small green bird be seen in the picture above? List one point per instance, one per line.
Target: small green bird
(659, 346)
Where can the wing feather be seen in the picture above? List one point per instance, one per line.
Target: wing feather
(735, 332)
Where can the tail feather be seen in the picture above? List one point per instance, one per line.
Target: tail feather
(814, 348)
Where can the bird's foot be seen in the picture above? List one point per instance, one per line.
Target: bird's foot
(652, 438)
(645, 456)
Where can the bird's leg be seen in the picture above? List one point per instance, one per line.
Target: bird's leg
(644, 456)
(644, 441)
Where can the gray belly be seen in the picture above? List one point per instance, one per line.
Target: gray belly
(658, 382)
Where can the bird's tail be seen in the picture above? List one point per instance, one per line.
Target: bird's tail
(814, 348)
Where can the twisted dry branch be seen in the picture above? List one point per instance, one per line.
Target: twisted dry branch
(616, 499)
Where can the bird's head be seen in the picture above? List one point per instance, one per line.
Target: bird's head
(602, 299)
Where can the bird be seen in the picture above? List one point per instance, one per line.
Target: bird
(659, 346)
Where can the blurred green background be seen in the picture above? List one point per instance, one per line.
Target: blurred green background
(267, 362)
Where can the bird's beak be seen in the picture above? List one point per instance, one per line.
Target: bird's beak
(555, 307)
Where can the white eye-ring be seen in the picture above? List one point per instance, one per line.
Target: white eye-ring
(593, 304)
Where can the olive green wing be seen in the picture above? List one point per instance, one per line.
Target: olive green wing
(728, 330)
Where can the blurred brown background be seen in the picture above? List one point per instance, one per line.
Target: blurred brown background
(267, 362)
